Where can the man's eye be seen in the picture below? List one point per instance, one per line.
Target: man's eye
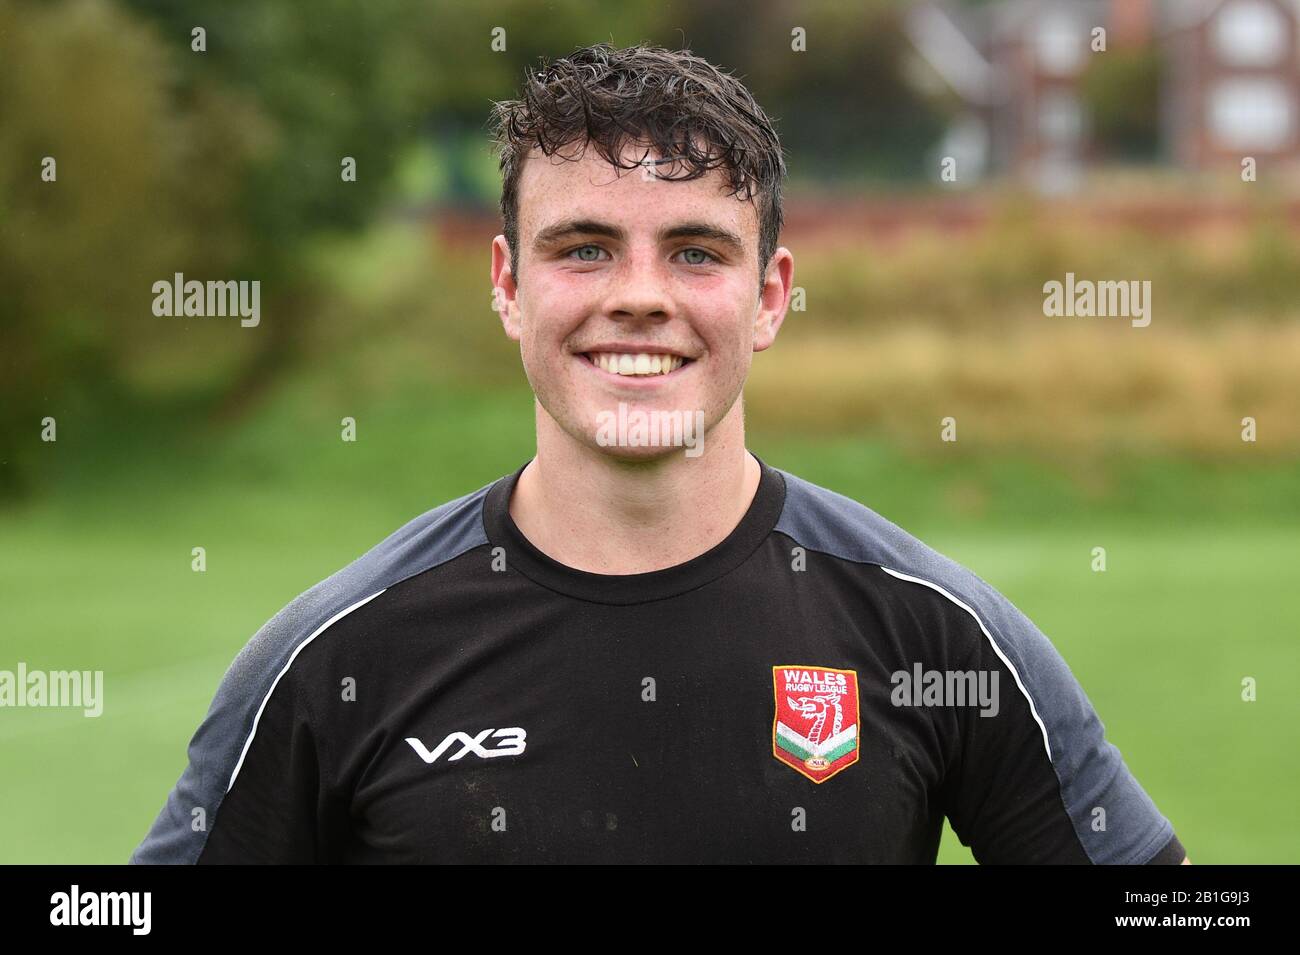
(580, 250)
(704, 259)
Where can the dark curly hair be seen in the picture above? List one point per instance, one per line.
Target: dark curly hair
(695, 116)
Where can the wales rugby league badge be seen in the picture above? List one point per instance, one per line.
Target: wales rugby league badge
(815, 729)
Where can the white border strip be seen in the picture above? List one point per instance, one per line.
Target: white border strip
(996, 649)
(298, 649)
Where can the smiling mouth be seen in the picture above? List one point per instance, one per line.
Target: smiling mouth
(636, 365)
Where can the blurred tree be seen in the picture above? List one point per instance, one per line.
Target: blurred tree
(332, 80)
(85, 85)
(1121, 91)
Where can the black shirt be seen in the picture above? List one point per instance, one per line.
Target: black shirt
(818, 687)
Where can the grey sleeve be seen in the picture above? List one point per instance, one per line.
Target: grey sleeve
(1039, 782)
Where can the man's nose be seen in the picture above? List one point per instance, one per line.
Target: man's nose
(639, 288)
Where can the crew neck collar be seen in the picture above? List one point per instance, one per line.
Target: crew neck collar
(727, 555)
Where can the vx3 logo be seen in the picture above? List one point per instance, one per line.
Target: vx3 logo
(511, 743)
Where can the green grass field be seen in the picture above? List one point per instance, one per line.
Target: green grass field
(1200, 592)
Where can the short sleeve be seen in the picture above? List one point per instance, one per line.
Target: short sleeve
(1037, 781)
(271, 813)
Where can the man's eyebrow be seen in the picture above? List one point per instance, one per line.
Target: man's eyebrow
(703, 230)
(572, 227)
(684, 230)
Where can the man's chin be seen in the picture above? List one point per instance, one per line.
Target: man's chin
(642, 431)
(641, 455)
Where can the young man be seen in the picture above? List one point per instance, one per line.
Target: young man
(647, 645)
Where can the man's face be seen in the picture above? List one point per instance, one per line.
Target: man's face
(635, 289)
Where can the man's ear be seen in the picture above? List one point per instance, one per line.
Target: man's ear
(773, 298)
(504, 291)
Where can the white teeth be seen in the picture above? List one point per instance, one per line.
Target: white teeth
(636, 365)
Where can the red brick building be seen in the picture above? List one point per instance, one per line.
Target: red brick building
(1230, 86)
(1233, 82)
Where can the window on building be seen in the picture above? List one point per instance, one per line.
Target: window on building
(1251, 114)
(1059, 43)
(1250, 33)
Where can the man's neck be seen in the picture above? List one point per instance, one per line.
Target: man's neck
(593, 512)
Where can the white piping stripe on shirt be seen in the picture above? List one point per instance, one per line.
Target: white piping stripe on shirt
(298, 649)
(996, 649)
